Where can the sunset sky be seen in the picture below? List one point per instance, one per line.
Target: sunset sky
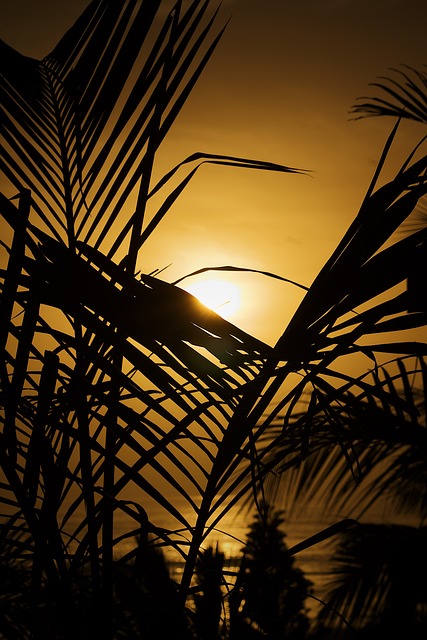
(279, 88)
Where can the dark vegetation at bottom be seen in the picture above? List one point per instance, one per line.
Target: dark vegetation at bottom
(266, 597)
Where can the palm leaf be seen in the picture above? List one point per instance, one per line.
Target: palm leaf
(372, 566)
(385, 441)
(75, 119)
(405, 96)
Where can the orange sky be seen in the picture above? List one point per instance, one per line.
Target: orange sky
(278, 88)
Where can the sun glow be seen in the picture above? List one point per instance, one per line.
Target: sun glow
(220, 296)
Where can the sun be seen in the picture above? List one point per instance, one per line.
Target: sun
(219, 295)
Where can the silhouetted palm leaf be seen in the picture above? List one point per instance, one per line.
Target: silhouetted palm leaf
(384, 441)
(406, 93)
(86, 126)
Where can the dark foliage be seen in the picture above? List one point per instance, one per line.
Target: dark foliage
(270, 592)
(103, 397)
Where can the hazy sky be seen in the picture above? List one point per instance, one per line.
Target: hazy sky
(278, 88)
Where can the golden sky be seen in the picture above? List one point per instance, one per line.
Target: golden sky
(278, 88)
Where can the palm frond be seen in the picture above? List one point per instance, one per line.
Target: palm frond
(405, 96)
(87, 125)
(376, 578)
(383, 439)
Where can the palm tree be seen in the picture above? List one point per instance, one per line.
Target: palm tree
(102, 397)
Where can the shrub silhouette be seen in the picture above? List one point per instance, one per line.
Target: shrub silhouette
(209, 620)
(270, 590)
